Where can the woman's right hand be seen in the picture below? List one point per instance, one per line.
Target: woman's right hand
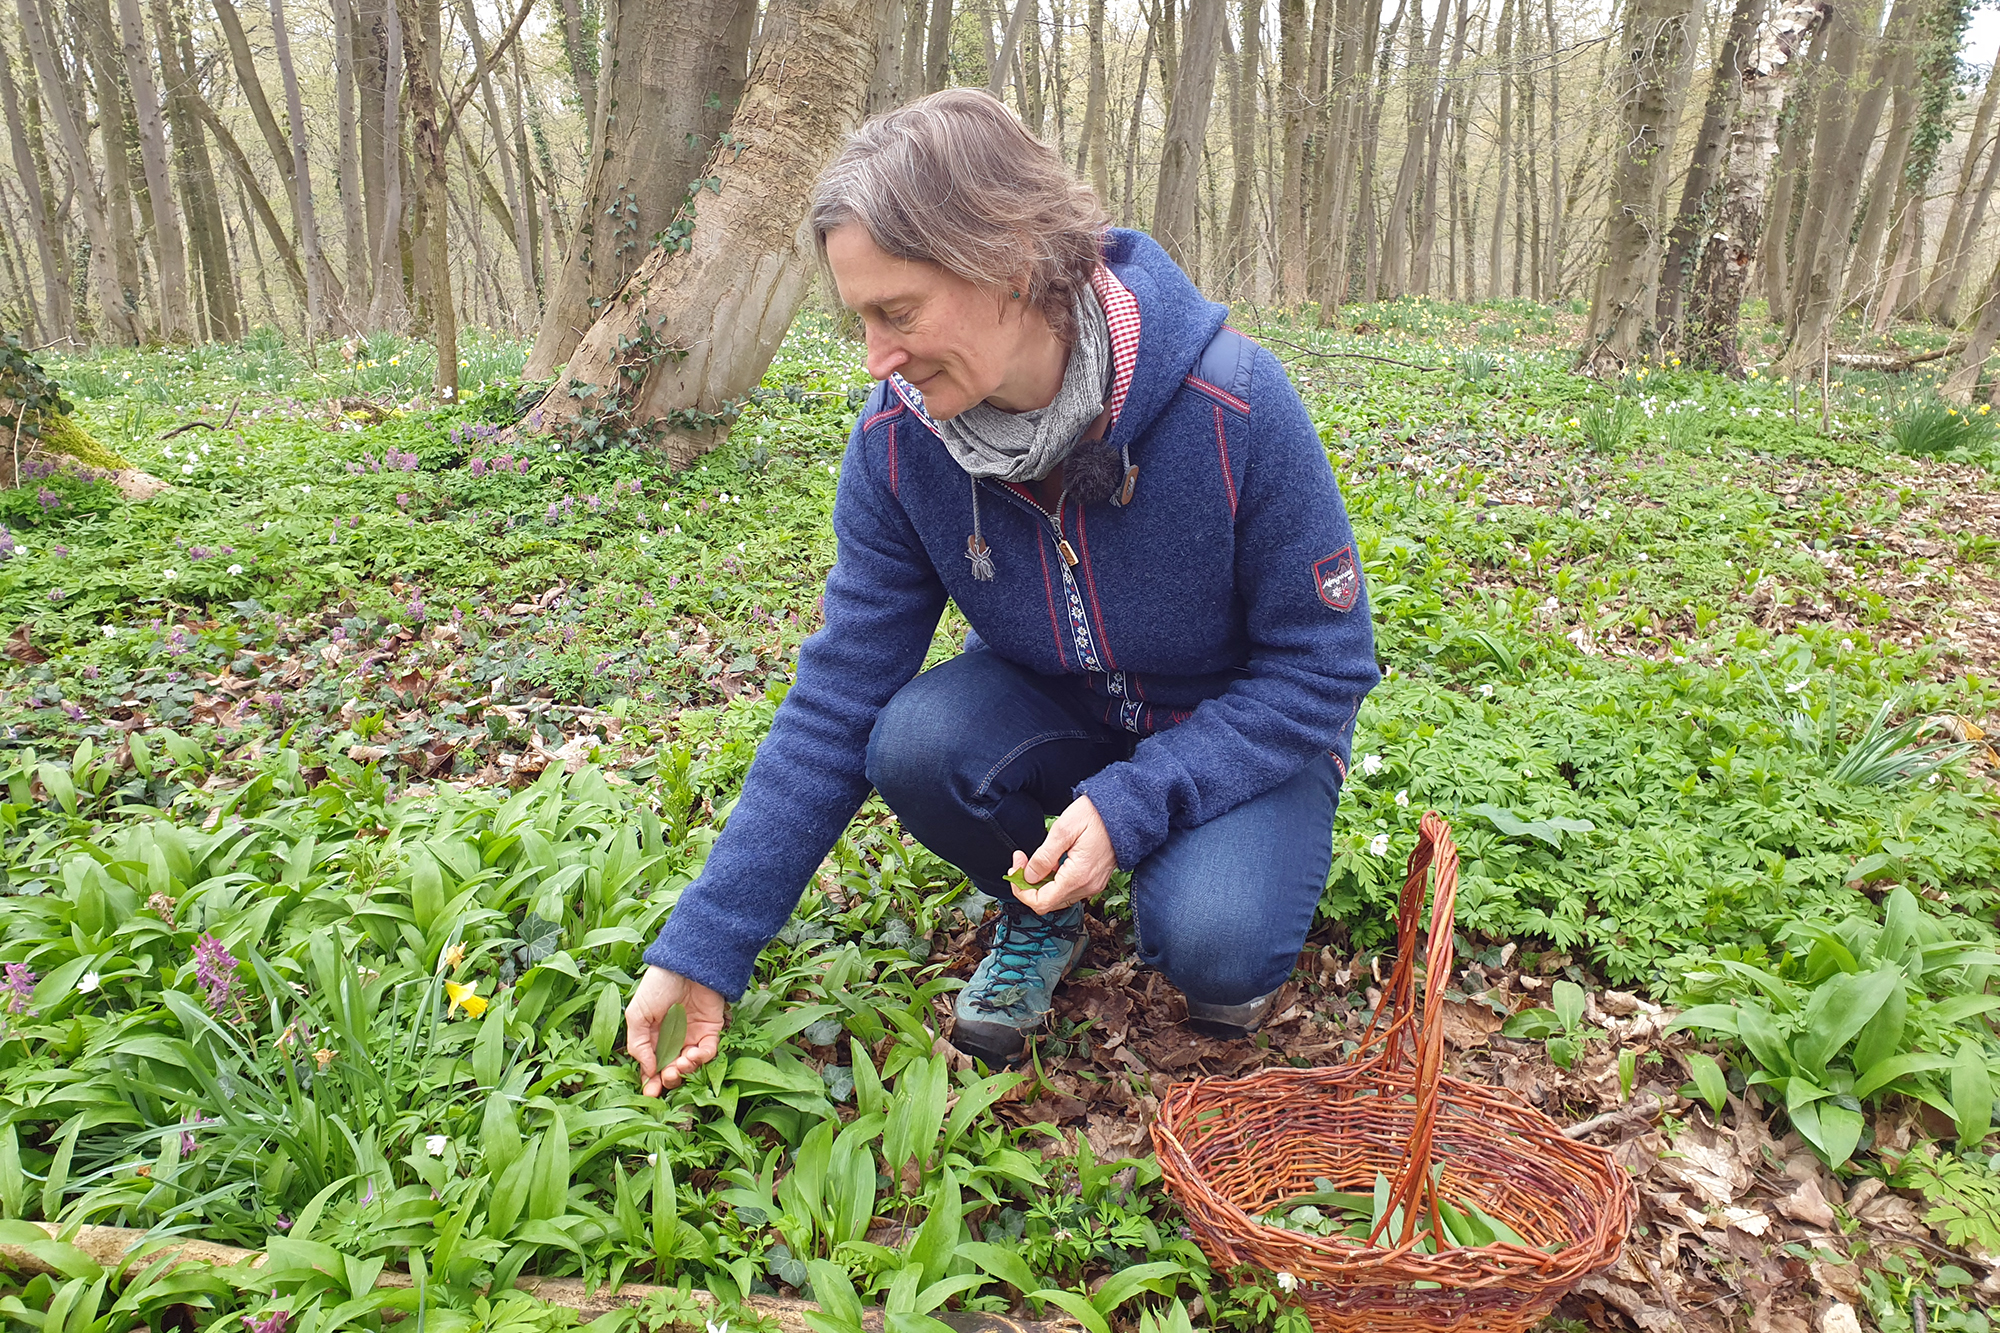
(657, 992)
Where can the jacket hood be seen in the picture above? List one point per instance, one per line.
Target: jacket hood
(1176, 324)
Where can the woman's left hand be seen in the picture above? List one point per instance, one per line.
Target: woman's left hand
(1080, 834)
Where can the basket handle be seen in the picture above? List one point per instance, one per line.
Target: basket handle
(1413, 1190)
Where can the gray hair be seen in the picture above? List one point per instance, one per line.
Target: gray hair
(955, 179)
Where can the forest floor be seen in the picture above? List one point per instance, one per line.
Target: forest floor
(1698, 670)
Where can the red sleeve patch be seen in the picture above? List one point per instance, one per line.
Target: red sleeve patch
(1338, 579)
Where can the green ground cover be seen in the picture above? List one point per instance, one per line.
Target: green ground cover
(344, 781)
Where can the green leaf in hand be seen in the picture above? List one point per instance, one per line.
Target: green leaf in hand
(673, 1034)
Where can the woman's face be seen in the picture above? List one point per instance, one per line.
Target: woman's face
(957, 342)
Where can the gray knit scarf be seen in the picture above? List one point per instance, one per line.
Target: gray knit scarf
(1027, 446)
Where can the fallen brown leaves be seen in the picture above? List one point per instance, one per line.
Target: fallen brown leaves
(1737, 1230)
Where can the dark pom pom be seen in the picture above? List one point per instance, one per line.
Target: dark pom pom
(1092, 471)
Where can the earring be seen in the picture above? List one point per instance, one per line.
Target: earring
(1017, 296)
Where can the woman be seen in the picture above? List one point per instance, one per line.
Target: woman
(1170, 632)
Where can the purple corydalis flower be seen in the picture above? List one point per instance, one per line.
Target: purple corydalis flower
(215, 973)
(18, 986)
(273, 1322)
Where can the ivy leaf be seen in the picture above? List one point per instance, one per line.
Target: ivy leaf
(539, 939)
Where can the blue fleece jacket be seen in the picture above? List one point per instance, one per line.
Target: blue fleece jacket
(1220, 614)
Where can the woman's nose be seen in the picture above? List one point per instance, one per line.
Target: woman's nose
(885, 356)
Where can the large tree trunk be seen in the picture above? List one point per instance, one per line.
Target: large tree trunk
(169, 248)
(700, 319)
(937, 48)
(667, 94)
(59, 312)
(1620, 330)
(1187, 131)
(1691, 225)
(427, 142)
(1765, 72)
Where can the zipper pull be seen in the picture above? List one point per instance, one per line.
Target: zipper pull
(1068, 551)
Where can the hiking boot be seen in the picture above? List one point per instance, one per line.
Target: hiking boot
(1230, 1020)
(1012, 989)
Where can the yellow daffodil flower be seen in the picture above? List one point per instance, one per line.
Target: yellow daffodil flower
(453, 956)
(464, 995)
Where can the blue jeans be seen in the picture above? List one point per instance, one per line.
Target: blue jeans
(977, 753)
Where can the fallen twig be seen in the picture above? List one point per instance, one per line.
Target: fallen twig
(1352, 356)
(1646, 1108)
(206, 425)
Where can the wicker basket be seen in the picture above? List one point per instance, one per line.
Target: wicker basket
(1233, 1148)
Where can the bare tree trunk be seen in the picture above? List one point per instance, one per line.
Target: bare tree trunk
(1241, 233)
(1003, 64)
(114, 124)
(1820, 294)
(937, 55)
(1789, 179)
(1552, 252)
(1690, 230)
(1128, 214)
(1834, 104)
(524, 250)
(195, 171)
(119, 317)
(1964, 378)
(255, 199)
(1363, 224)
(281, 46)
(170, 248)
(427, 141)
(667, 96)
(541, 214)
(1889, 189)
(59, 319)
(705, 314)
(1955, 245)
(1620, 330)
(1528, 182)
(1427, 214)
(1187, 132)
(884, 90)
(1503, 47)
(353, 215)
(1765, 70)
(1293, 107)
(1093, 152)
(582, 52)
(1420, 98)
